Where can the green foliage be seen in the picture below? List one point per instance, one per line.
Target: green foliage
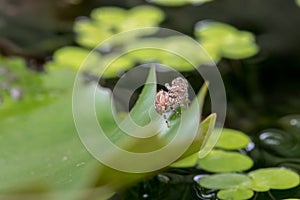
(231, 139)
(120, 51)
(19, 84)
(226, 181)
(274, 178)
(222, 40)
(223, 161)
(227, 161)
(108, 21)
(178, 2)
(47, 153)
(235, 194)
(240, 186)
(220, 160)
(189, 161)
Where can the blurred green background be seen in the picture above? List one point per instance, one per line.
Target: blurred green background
(262, 90)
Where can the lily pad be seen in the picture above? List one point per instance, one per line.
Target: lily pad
(178, 2)
(74, 58)
(223, 161)
(190, 161)
(107, 21)
(231, 139)
(235, 194)
(226, 181)
(274, 178)
(223, 40)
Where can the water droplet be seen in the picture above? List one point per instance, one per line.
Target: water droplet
(198, 177)
(163, 178)
(293, 122)
(3, 70)
(250, 146)
(271, 138)
(65, 158)
(16, 93)
(4, 85)
(145, 196)
(80, 164)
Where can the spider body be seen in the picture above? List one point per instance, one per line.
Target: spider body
(177, 95)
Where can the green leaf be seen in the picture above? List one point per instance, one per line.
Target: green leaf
(223, 161)
(291, 199)
(231, 139)
(16, 77)
(274, 178)
(178, 2)
(222, 40)
(41, 147)
(186, 162)
(226, 181)
(142, 16)
(235, 194)
(107, 21)
(74, 58)
(297, 2)
(109, 16)
(90, 34)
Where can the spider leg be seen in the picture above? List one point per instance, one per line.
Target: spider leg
(166, 120)
(174, 110)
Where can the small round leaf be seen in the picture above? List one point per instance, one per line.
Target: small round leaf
(232, 139)
(226, 181)
(274, 178)
(189, 161)
(235, 194)
(222, 161)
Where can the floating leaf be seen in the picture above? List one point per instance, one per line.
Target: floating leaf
(187, 162)
(178, 2)
(291, 199)
(112, 65)
(108, 21)
(109, 16)
(232, 139)
(235, 194)
(222, 40)
(226, 181)
(274, 178)
(90, 34)
(74, 58)
(222, 161)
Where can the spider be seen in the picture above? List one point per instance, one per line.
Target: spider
(177, 95)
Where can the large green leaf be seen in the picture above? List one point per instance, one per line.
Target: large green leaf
(41, 151)
(41, 147)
